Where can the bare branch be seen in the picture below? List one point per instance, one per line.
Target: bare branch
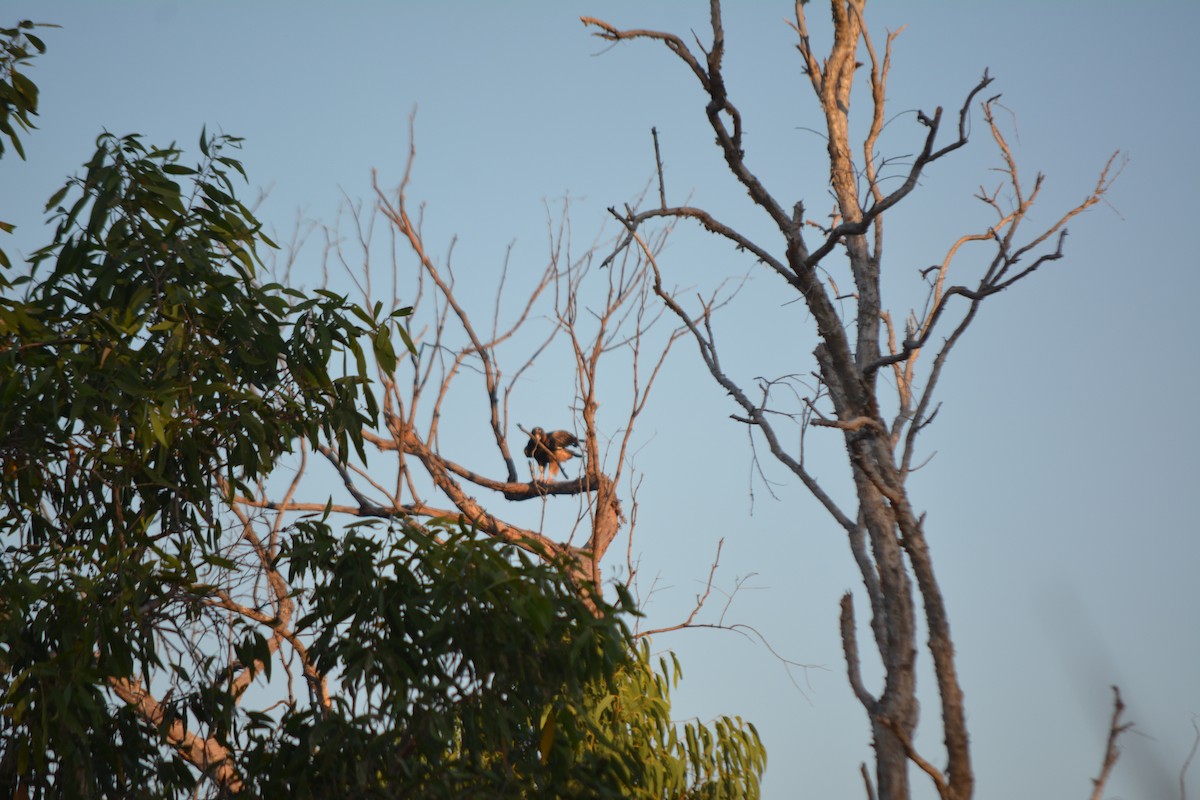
(710, 224)
(849, 425)
(862, 768)
(850, 650)
(859, 225)
(755, 414)
(1111, 751)
(701, 599)
(719, 107)
(658, 164)
(935, 775)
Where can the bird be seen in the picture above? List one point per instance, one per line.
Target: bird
(549, 450)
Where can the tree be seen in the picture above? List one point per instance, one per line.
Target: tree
(885, 529)
(448, 400)
(452, 345)
(166, 630)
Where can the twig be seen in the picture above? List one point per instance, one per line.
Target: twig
(701, 599)
(662, 188)
(866, 776)
(1188, 761)
(1111, 751)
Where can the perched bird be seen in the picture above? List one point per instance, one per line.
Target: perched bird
(550, 449)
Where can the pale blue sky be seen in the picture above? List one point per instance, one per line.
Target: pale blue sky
(1066, 453)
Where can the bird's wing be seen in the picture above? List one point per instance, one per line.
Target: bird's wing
(562, 439)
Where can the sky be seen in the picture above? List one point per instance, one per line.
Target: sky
(1064, 458)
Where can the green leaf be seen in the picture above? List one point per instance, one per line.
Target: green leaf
(215, 194)
(384, 354)
(57, 197)
(27, 89)
(408, 342)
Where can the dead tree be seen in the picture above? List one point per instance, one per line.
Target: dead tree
(885, 531)
(461, 359)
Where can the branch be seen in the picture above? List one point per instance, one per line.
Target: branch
(207, 755)
(371, 510)
(941, 649)
(935, 775)
(850, 648)
(713, 83)
(512, 490)
(1187, 763)
(1111, 751)
(662, 186)
(710, 224)
(397, 213)
(866, 774)
(995, 279)
(674, 43)
(926, 157)
(755, 414)
(850, 425)
(701, 599)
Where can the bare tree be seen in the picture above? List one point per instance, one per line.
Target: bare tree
(487, 364)
(885, 531)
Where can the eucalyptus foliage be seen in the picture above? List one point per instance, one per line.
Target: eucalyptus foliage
(18, 93)
(145, 374)
(470, 670)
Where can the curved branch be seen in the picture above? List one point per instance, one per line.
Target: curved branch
(709, 223)
(926, 157)
(713, 83)
(209, 756)
(756, 415)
